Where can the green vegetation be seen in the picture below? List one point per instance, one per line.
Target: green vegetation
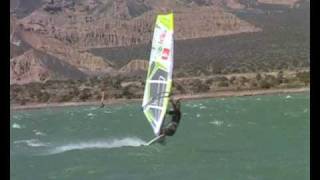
(304, 77)
(119, 87)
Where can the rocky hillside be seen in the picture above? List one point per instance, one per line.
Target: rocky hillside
(36, 66)
(135, 67)
(86, 28)
(69, 31)
(283, 44)
(83, 62)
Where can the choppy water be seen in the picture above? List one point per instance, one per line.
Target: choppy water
(258, 137)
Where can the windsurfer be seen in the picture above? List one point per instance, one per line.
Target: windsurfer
(175, 114)
(102, 99)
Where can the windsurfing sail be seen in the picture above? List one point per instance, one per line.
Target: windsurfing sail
(159, 77)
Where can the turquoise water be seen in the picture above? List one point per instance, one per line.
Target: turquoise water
(257, 137)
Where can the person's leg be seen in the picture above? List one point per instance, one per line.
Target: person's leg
(170, 130)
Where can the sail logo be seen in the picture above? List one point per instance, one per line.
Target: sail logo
(165, 53)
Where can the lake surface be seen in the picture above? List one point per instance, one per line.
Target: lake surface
(256, 137)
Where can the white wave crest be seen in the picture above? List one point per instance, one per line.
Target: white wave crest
(38, 133)
(108, 144)
(216, 122)
(16, 126)
(32, 142)
(90, 114)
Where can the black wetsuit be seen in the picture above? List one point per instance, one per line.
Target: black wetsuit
(173, 125)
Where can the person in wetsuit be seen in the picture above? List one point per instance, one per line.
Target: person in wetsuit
(175, 114)
(102, 99)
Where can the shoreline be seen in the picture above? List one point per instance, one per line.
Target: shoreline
(218, 94)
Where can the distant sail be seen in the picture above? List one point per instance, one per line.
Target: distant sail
(102, 99)
(159, 77)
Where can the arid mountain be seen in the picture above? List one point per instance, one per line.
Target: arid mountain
(72, 50)
(68, 30)
(135, 67)
(84, 29)
(37, 66)
(284, 43)
(49, 50)
(83, 60)
(130, 8)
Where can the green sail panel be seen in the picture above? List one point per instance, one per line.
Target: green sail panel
(159, 77)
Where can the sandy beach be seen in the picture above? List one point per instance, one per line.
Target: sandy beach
(184, 96)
